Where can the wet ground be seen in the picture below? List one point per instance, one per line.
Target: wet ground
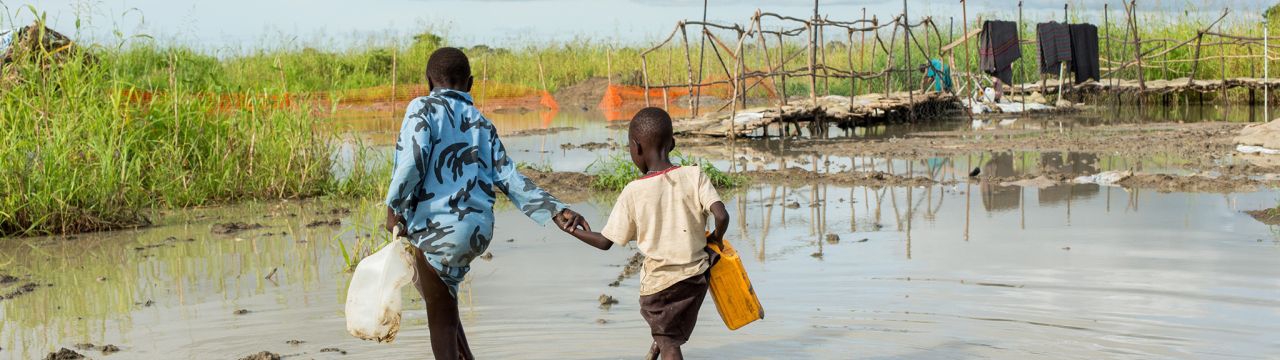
(954, 267)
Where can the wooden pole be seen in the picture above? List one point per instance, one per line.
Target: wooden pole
(888, 65)
(1106, 28)
(813, 58)
(1266, 71)
(1062, 67)
(608, 57)
(702, 51)
(1137, 42)
(852, 73)
(862, 48)
(906, 46)
(826, 72)
(644, 72)
(688, 62)
(1022, 74)
(964, 31)
(782, 71)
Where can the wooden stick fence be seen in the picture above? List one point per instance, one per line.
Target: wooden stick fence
(775, 66)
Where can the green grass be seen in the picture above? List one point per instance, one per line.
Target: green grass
(616, 171)
(81, 154)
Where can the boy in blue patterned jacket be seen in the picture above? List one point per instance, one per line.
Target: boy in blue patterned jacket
(448, 162)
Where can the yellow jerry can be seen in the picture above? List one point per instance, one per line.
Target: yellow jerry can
(731, 289)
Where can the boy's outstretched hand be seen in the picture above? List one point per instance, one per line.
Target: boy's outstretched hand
(571, 221)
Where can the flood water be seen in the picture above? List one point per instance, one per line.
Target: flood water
(969, 270)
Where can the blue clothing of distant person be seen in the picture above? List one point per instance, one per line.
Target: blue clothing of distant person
(940, 74)
(448, 163)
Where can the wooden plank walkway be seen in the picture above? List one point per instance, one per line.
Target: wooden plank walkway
(862, 110)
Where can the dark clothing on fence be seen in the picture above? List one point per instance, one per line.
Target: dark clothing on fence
(1084, 52)
(998, 47)
(1055, 45)
(673, 312)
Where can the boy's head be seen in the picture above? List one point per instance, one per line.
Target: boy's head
(650, 137)
(448, 68)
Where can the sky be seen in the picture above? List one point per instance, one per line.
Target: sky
(239, 24)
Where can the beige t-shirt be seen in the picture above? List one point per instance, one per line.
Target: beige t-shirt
(666, 213)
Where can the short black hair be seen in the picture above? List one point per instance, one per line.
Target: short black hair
(651, 126)
(448, 67)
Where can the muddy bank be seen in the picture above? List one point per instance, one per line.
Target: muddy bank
(1203, 145)
(1194, 183)
(583, 95)
(547, 131)
(570, 186)
(1266, 216)
(566, 186)
(850, 178)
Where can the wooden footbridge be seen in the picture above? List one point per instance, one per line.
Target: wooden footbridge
(882, 65)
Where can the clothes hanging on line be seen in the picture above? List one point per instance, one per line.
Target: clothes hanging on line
(1055, 45)
(1084, 52)
(998, 48)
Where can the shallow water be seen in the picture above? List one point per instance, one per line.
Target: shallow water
(963, 271)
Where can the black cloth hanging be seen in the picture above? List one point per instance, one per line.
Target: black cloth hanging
(1055, 45)
(998, 48)
(1084, 52)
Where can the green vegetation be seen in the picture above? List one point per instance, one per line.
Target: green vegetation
(93, 145)
(616, 171)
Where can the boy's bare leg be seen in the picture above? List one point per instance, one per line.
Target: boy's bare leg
(672, 353)
(654, 351)
(447, 339)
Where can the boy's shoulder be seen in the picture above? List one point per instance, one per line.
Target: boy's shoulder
(680, 173)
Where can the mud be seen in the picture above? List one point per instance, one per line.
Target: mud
(21, 290)
(1192, 183)
(852, 178)
(319, 223)
(64, 354)
(590, 146)
(566, 186)
(629, 269)
(264, 355)
(1202, 143)
(107, 349)
(333, 350)
(1266, 216)
(607, 301)
(233, 227)
(547, 131)
(584, 95)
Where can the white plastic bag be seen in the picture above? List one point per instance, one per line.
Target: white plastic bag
(373, 299)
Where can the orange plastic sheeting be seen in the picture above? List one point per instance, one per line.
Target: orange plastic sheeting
(489, 95)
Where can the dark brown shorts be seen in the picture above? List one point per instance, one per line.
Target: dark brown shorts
(672, 312)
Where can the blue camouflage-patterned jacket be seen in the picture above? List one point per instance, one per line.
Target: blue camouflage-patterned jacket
(448, 161)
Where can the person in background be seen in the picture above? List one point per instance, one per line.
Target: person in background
(936, 75)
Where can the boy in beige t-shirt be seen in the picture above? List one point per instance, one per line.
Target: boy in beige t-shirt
(665, 212)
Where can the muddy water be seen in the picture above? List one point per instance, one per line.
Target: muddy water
(969, 270)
